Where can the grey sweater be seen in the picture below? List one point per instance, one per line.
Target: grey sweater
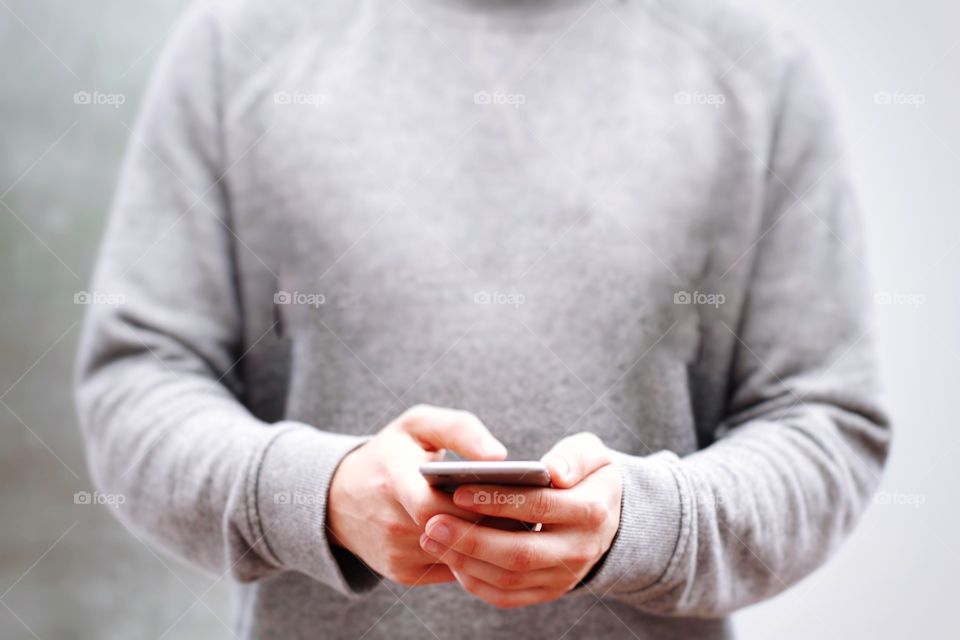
(627, 217)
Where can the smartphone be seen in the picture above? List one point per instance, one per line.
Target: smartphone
(450, 475)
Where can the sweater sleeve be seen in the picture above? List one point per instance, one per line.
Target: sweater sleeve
(158, 382)
(802, 445)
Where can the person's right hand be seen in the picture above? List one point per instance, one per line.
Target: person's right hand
(379, 503)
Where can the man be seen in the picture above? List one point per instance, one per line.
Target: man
(351, 235)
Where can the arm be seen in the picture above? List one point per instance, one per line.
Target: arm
(805, 437)
(767, 503)
(158, 382)
(157, 377)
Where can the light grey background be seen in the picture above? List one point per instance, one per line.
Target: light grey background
(69, 570)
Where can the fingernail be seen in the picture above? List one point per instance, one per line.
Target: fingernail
(429, 545)
(463, 498)
(439, 532)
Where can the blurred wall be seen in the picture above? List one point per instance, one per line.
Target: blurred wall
(58, 166)
(70, 570)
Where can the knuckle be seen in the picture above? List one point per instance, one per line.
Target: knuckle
(508, 579)
(522, 559)
(596, 551)
(587, 439)
(405, 423)
(470, 584)
(577, 560)
(541, 505)
(595, 512)
(470, 545)
(411, 417)
(456, 561)
(585, 555)
(382, 485)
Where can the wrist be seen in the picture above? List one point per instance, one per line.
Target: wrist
(292, 493)
(337, 500)
(653, 526)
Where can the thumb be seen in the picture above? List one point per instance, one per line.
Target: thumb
(461, 431)
(574, 458)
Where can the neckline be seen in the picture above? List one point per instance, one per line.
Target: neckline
(505, 11)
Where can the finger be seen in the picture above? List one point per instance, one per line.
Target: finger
(513, 550)
(412, 560)
(490, 573)
(421, 501)
(506, 599)
(460, 431)
(528, 504)
(574, 458)
(437, 573)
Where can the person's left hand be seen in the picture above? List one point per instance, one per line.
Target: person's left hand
(580, 516)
